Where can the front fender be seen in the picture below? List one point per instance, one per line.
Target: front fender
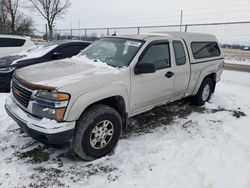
(84, 100)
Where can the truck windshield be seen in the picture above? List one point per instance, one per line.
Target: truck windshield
(117, 52)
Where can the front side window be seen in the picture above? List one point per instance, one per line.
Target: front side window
(10, 42)
(205, 49)
(180, 56)
(117, 52)
(159, 55)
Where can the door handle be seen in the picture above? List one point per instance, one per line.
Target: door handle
(169, 74)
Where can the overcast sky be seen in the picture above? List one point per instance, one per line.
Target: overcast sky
(107, 13)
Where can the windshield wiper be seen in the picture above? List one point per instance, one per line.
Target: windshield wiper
(99, 61)
(113, 65)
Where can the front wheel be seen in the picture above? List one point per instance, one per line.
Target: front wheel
(204, 93)
(97, 132)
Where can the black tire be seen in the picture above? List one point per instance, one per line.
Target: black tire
(89, 120)
(198, 99)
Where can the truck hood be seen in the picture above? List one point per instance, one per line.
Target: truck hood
(61, 73)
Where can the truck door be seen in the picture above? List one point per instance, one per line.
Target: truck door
(151, 89)
(182, 68)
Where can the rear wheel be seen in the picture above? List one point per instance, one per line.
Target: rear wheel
(204, 93)
(97, 132)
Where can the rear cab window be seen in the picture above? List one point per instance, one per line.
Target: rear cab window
(11, 42)
(203, 50)
(179, 51)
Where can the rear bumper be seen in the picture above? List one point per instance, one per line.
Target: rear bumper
(44, 130)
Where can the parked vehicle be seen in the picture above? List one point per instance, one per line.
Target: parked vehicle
(10, 44)
(38, 54)
(90, 97)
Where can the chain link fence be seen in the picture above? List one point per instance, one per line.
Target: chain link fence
(234, 37)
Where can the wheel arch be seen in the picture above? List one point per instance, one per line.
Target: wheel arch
(212, 75)
(115, 96)
(118, 103)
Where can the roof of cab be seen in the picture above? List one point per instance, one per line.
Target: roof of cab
(136, 37)
(181, 34)
(184, 35)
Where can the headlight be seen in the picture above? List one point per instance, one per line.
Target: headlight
(51, 105)
(53, 96)
(7, 69)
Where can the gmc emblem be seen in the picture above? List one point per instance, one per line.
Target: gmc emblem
(17, 92)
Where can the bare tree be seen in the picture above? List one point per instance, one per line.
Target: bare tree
(12, 20)
(51, 10)
(12, 7)
(24, 25)
(3, 17)
(1, 13)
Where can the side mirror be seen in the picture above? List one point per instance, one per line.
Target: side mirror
(144, 68)
(56, 55)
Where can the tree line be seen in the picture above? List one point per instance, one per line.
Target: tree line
(14, 21)
(235, 46)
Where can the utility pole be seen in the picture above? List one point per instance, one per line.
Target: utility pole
(71, 31)
(46, 30)
(79, 24)
(181, 20)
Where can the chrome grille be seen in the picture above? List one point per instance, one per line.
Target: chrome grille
(20, 93)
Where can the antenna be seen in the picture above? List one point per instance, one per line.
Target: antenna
(181, 20)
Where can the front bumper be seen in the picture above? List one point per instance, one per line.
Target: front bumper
(44, 130)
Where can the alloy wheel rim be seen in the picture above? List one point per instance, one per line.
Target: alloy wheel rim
(102, 134)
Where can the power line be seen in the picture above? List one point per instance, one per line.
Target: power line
(167, 17)
(160, 18)
(172, 11)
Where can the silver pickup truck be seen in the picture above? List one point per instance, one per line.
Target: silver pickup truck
(88, 99)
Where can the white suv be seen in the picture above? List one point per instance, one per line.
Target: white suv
(10, 44)
(90, 97)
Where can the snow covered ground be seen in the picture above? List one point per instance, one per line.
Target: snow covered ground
(175, 146)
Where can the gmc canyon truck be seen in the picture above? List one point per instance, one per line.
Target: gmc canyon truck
(88, 99)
